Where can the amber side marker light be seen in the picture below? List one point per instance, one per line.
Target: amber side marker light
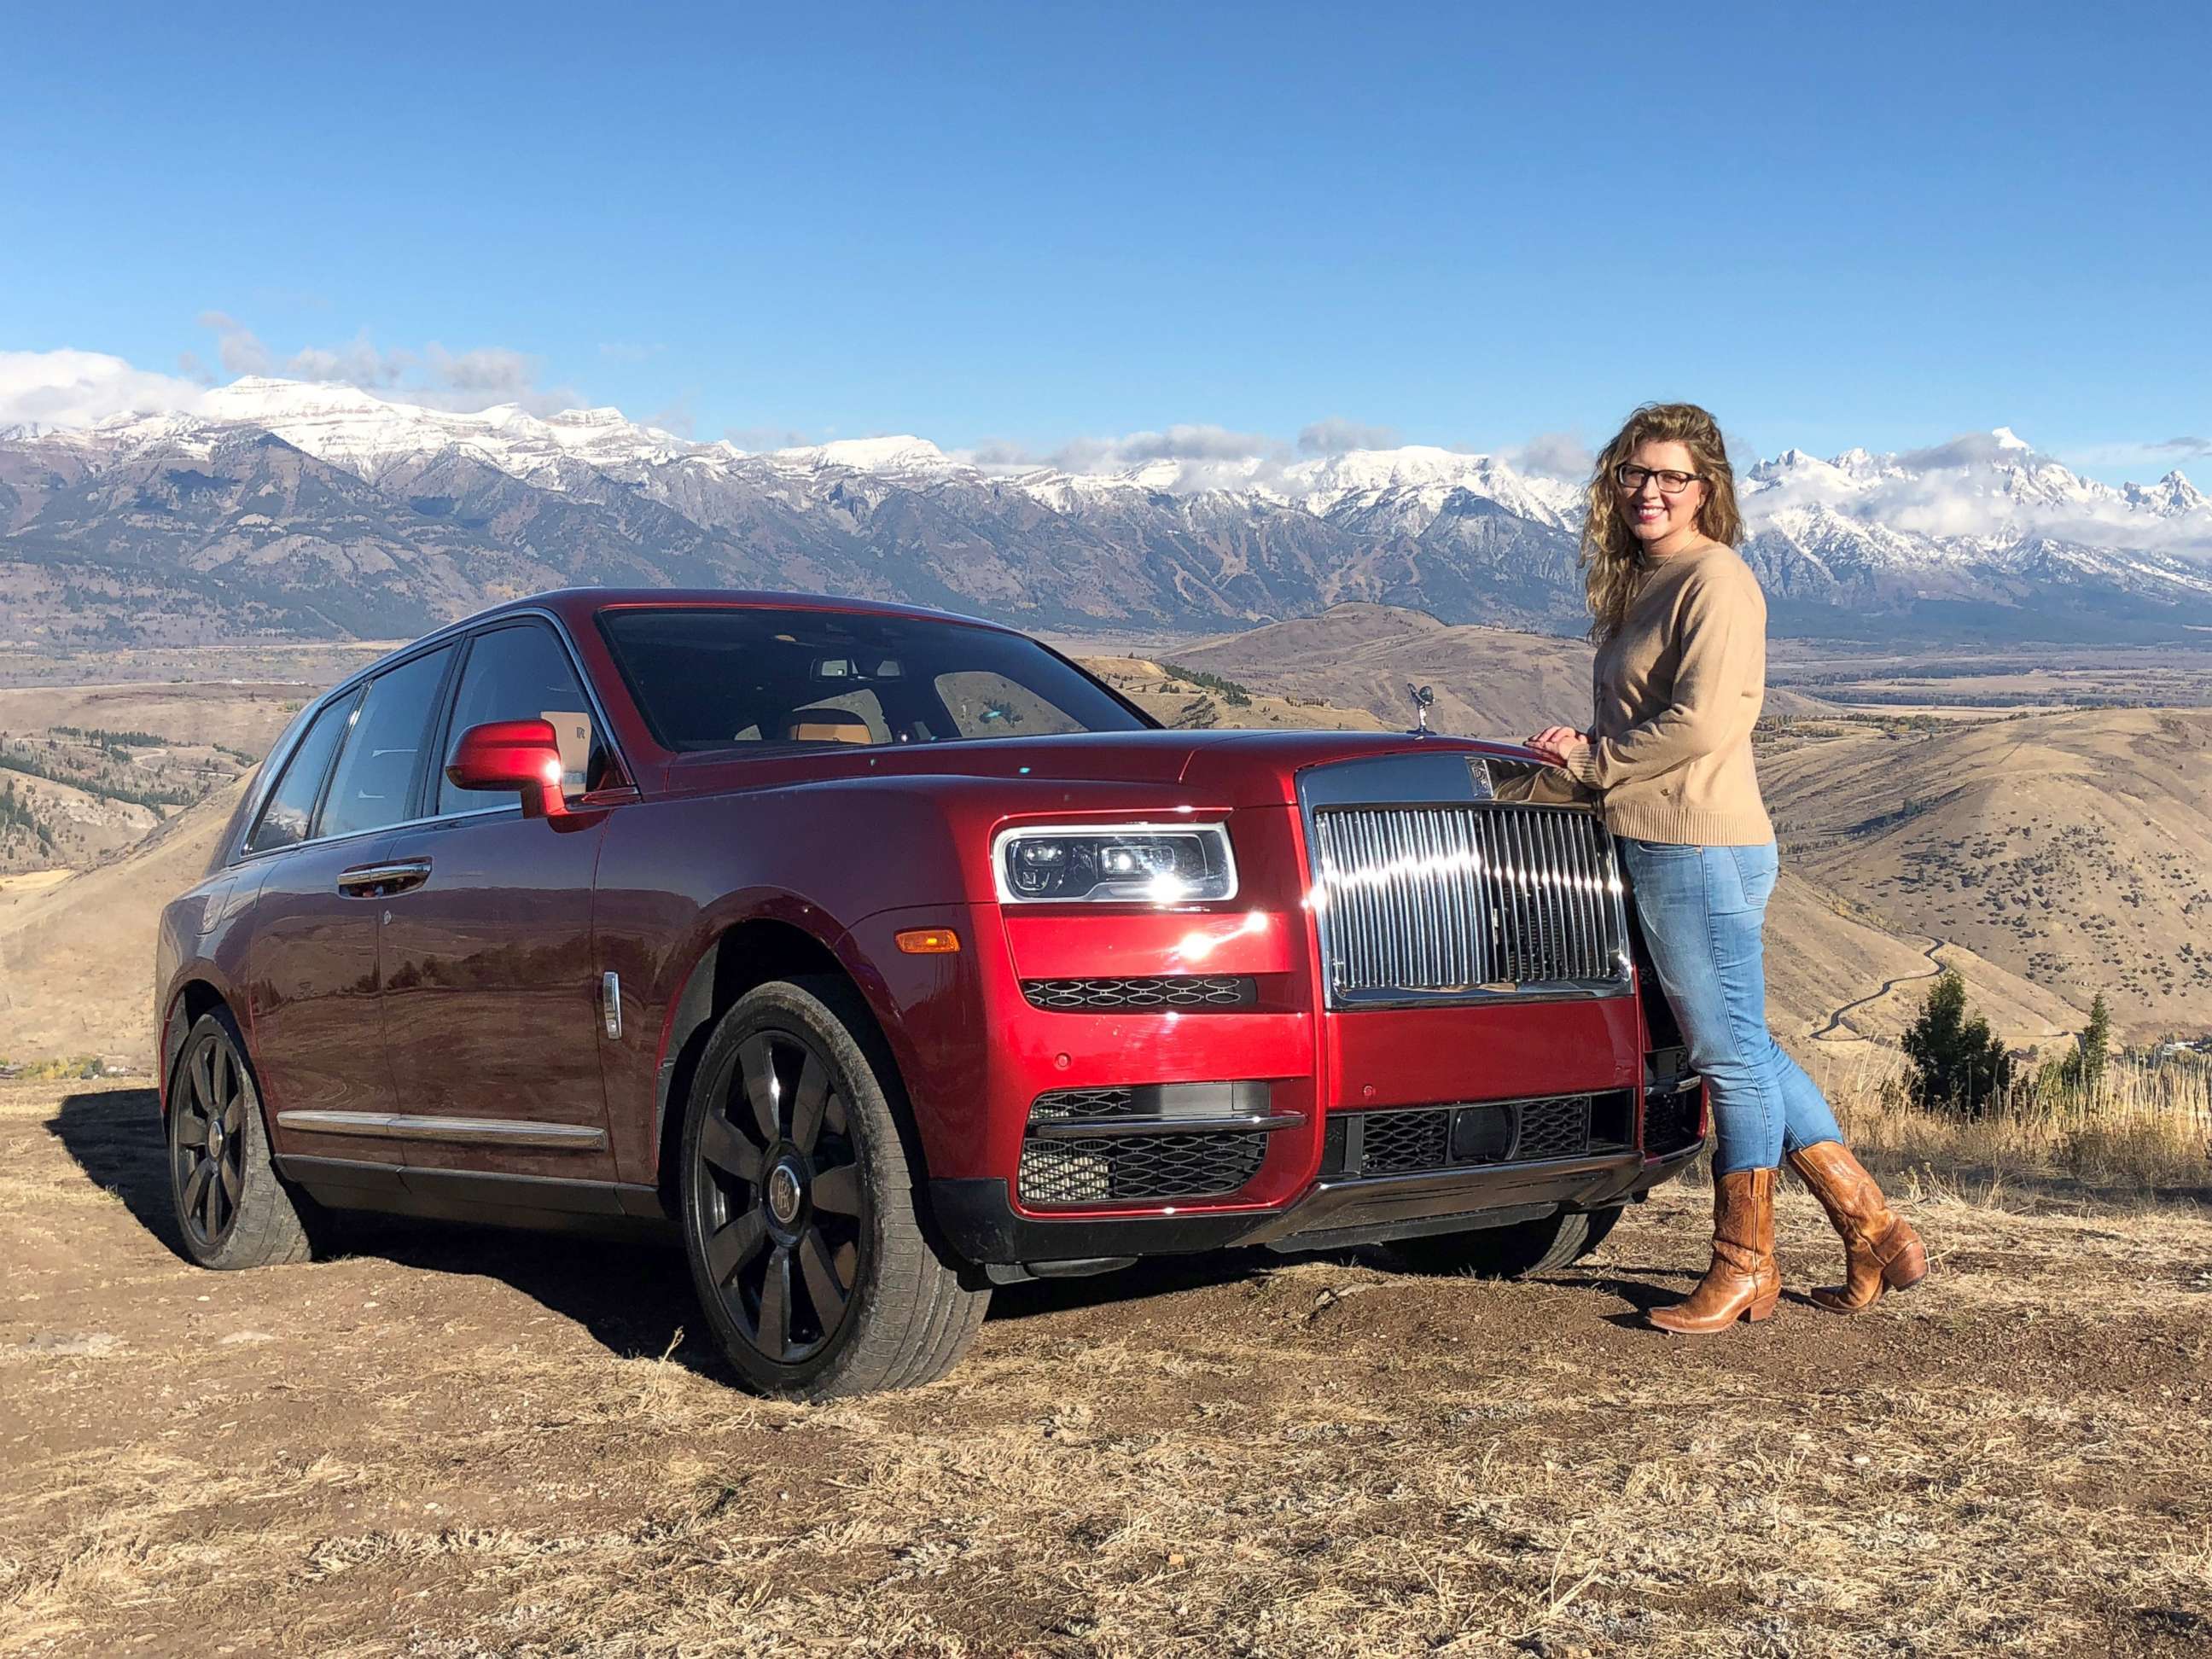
(928, 941)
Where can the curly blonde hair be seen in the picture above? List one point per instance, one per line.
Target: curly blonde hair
(1610, 553)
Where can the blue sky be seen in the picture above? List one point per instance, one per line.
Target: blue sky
(1032, 224)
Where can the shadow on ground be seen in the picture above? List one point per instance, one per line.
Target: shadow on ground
(633, 1297)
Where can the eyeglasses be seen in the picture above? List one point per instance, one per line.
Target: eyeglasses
(1630, 478)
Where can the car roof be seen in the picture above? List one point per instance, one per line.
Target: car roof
(577, 605)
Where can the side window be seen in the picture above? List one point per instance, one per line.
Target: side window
(291, 807)
(521, 673)
(376, 770)
(984, 704)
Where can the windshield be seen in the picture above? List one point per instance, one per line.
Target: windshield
(719, 677)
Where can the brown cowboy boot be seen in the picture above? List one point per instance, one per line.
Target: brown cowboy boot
(1880, 1251)
(1743, 1282)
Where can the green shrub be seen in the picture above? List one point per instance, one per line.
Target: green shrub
(1957, 1066)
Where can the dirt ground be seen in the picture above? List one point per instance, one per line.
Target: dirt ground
(457, 1442)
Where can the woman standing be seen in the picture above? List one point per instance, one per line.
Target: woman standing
(1680, 674)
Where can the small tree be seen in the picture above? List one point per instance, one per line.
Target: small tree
(2085, 1067)
(1956, 1063)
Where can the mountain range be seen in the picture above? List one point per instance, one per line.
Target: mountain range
(311, 509)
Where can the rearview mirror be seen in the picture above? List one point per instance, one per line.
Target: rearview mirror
(524, 756)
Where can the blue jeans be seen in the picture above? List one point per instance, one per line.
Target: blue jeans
(1703, 908)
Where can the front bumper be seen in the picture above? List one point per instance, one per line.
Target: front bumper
(980, 1224)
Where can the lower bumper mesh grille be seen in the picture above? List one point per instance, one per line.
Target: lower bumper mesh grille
(1400, 1142)
(1084, 1103)
(1410, 1140)
(1180, 993)
(1555, 1129)
(1138, 1167)
(1670, 1121)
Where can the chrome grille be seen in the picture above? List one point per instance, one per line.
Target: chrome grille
(1436, 900)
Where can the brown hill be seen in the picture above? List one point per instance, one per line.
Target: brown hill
(1841, 988)
(2074, 848)
(76, 957)
(1170, 698)
(1489, 681)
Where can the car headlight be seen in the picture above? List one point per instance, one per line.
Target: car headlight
(1115, 864)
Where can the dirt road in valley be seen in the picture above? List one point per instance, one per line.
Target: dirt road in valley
(1836, 1021)
(457, 1442)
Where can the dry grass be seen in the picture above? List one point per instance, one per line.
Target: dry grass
(2144, 1132)
(457, 1443)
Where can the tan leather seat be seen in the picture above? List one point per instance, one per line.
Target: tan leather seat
(827, 726)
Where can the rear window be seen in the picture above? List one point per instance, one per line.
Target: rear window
(729, 677)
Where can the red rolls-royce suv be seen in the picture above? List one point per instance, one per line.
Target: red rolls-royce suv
(885, 956)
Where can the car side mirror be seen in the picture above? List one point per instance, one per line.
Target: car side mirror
(524, 756)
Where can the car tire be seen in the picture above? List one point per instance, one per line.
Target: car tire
(232, 1209)
(1513, 1252)
(799, 1203)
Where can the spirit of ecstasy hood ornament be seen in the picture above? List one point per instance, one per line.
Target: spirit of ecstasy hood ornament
(1425, 698)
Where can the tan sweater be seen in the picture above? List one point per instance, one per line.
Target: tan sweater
(1676, 694)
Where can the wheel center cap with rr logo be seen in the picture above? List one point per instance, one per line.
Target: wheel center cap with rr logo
(783, 1194)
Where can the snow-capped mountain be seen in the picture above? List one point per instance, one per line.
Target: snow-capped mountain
(311, 507)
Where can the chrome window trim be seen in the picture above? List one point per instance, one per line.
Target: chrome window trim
(464, 631)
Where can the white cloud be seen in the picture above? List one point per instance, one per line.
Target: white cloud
(239, 352)
(758, 440)
(2161, 456)
(76, 388)
(492, 370)
(1552, 455)
(1334, 436)
(680, 417)
(1198, 457)
(358, 364)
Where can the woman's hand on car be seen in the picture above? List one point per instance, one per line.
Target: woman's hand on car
(1562, 745)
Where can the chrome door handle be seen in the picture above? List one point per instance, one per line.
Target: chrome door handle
(382, 880)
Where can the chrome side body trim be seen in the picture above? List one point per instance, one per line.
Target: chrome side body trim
(474, 1130)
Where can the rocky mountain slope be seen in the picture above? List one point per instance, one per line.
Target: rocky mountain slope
(310, 509)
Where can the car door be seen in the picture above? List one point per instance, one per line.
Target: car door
(313, 973)
(492, 996)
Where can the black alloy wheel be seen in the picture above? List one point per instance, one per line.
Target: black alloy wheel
(232, 1208)
(779, 1198)
(208, 1150)
(798, 1180)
